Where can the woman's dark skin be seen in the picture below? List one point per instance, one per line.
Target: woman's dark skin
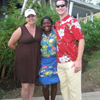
(45, 90)
(47, 26)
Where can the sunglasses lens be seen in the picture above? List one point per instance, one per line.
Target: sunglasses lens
(57, 6)
(62, 5)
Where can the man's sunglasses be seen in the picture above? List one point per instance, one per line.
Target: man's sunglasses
(63, 5)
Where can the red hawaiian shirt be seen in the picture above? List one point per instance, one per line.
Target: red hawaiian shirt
(68, 31)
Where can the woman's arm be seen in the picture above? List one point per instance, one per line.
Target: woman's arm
(14, 38)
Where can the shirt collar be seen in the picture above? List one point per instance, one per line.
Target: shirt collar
(51, 33)
(65, 18)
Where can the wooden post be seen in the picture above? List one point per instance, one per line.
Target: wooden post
(91, 16)
(86, 17)
(39, 2)
(50, 2)
(71, 8)
(23, 7)
(77, 16)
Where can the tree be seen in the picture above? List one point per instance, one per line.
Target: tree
(98, 4)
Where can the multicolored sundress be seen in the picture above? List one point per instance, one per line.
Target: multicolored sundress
(48, 68)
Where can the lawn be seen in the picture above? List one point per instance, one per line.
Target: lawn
(91, 76)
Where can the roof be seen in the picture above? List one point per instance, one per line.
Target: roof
(82, 8)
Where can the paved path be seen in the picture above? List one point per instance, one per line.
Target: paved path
(85, 96)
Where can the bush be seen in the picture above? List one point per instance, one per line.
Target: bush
(8, 25)
(43, 11)
(91, 32)
(1, 93)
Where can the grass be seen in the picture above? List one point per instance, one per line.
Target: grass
(92, 72)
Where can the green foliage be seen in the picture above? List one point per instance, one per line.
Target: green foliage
(46, 11)
(1, 93)
(92, 72)
(98, 4)
(43, 11)
(91, 32)
(9, 25)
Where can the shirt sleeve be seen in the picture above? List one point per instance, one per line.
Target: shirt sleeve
(77, 31)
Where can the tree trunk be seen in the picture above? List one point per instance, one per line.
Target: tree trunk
(8, 74)
(3, 72)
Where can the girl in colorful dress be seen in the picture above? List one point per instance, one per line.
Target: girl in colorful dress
(48, 70)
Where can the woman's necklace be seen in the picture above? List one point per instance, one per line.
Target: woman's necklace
(32, 31)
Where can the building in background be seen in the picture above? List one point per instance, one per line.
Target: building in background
(93, 2)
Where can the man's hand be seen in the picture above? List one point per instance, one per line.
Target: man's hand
(77, 65)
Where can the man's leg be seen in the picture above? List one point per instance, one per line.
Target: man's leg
(74, 83)
(63, 81)
(70, 82)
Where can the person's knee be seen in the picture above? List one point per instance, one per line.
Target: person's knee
(25, 87)
(54, 85)
(45, 87)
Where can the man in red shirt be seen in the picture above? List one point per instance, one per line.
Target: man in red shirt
(69, 52)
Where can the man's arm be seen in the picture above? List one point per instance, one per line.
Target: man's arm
(78, 63)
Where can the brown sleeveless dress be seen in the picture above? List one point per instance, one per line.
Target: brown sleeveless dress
(28, 56)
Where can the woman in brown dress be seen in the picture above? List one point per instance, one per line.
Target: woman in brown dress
(27, 58)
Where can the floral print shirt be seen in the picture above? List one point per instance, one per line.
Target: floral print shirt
(68, 31)
(49, 44)
(48, 60)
